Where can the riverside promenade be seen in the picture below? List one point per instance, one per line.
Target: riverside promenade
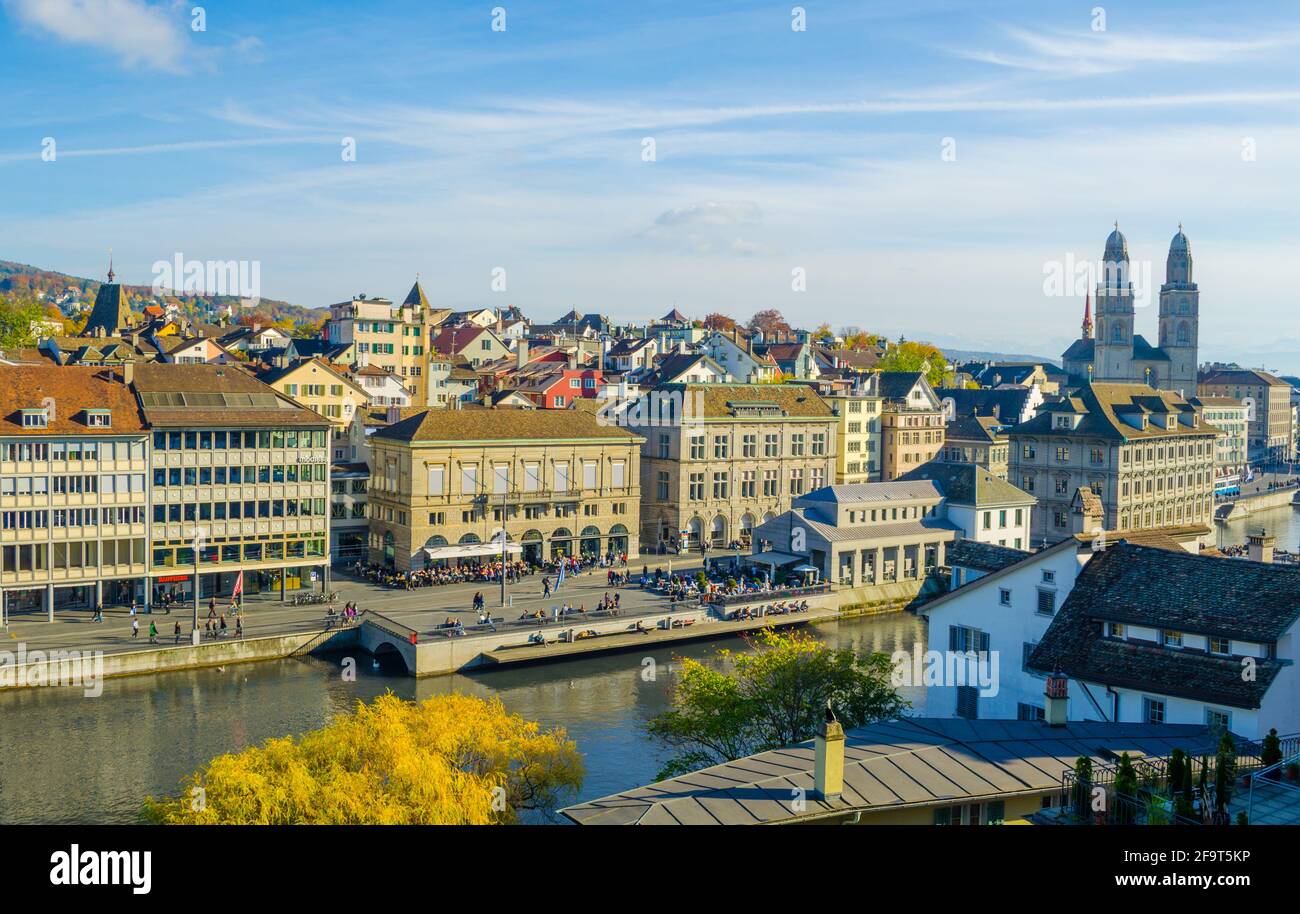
(273, 629)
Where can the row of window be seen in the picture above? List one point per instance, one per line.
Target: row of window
(249, 475)
(28, 451)
(258, 551)
(60, 518)
(239, 510)
(247, 440)
(801, 445)
(533, 479)
(70, 556)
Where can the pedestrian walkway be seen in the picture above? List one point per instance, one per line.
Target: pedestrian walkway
(423, 609)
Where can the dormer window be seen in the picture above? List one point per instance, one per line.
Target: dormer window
(1115, 629)
(99, 418)
(1171, 638)
(36, 418)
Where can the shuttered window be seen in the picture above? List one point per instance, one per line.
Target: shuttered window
(437, 480)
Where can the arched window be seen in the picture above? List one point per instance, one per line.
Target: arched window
(1184, 333)
(1117, 332)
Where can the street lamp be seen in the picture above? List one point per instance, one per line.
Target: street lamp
(199, 537)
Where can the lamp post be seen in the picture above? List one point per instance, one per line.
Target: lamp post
(503, 549)
(195, 637)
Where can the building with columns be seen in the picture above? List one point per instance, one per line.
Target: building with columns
(1116, 352)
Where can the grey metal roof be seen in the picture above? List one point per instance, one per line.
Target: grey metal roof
(897, 490)
(910, 762)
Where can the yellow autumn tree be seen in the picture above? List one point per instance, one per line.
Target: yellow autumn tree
(450, 760)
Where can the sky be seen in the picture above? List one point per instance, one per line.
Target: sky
(920, 168)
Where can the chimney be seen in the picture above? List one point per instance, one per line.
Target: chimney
(128, 372)
(521, 354)
(573, 359)
(828, 757)
(1259, 546)
(1058, 699)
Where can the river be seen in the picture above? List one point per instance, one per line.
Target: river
(65, 758)
(69, 759)
(1283, 522)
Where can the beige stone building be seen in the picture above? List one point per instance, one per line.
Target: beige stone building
(857, 439)
(73, 490)
(1268, 408)
(719, 459)
(314, 384)
(393, 338)
(911, 422)
(444, 483)
(1148, 455)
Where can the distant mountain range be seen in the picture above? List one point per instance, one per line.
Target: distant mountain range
(74, 294)
(972, 355)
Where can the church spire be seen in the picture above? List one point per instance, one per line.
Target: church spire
(110, 265)
(1087, 316)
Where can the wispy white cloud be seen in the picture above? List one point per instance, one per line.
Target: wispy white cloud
(1087, 53)
(136, 32)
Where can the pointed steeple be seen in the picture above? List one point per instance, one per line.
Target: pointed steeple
(1087, 316)
(112, 313)
(416, 296)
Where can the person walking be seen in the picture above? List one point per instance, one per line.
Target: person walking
(177, 631)
(135, 627)
(153, 632)
(239, 626)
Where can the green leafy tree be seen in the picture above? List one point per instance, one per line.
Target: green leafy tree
(772, 697)
(17, 320)
(906, 355)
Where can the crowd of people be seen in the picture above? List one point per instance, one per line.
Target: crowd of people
(466, 572)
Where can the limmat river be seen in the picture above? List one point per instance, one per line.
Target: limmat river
(1283, 522)
(65, 758)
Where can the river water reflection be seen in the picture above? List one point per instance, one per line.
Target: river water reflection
(65, 758)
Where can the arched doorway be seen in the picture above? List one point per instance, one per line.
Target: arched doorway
(434, 542)
(390, 549)
(746, 529)
(694, 533)
(532, 546)
(618, 538)
(589, 542)
(561, 543)
(718, 532)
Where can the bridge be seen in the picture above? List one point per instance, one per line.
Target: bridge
(501, 643)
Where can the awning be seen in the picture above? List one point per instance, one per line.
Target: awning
(775, 559)
(804, 569)
(468, 550)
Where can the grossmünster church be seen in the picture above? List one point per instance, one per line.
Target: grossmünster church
(1114, 351)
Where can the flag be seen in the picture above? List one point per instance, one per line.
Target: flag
(239, 587)
(560, 579)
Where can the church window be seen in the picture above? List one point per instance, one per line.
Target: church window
(1184, 333)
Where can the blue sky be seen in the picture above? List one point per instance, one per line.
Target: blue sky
(775, 150)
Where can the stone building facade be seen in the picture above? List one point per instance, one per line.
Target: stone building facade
(1148, 454)
(445, 484)
(720, 459)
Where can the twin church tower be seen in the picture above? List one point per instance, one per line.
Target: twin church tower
(1114, 352)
